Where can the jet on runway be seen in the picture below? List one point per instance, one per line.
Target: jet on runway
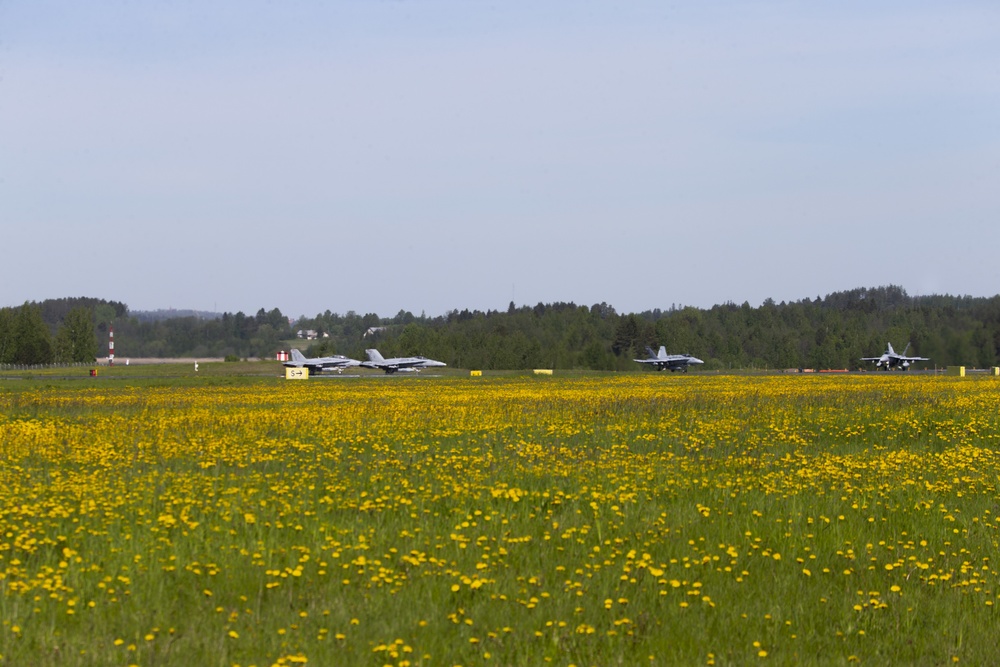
(675, 362)
(401, 364)
(891, 359)
(317, 364)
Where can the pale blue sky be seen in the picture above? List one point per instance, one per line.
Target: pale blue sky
(385, 155)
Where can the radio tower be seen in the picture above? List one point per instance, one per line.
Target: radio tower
(111, 345)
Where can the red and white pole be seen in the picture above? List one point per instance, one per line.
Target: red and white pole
(111, 345)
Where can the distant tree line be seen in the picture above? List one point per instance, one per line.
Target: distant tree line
(238, 335)
(830, 332)
(55, 331)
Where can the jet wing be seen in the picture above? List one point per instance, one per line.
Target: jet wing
(319, 364)
(407, 363)
(390, 364)
(337, 362)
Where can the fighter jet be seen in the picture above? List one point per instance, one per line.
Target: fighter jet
(675, 362)
(892, 359)
(400, 364)
(317, 364)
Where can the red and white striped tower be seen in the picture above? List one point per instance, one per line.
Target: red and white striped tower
(111, 345)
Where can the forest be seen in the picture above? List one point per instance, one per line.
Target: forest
(831, 332)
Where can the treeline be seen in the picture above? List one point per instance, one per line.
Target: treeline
(77, 329)
(830, 332)
(238, 335)
(55, 331)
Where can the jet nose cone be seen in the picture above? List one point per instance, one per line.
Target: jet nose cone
(695, 360)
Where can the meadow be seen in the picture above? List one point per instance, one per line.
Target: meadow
(634, 519)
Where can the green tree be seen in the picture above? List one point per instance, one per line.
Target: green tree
(76, 341)
(104, 313)
(7, 335)
(627, 335)
(32, 342)
(265, 342)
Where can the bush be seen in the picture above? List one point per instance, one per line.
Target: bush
(231, 357)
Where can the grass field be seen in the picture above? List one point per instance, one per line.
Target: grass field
(647, 519)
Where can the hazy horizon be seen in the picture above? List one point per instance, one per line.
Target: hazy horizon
(664, 308)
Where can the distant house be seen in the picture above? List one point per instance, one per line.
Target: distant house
(372, 331)
(308, 334)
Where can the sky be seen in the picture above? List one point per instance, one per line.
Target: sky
(387, 155)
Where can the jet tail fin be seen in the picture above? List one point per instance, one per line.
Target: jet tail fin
(663, 352)
(297, 355)
(889, 346)
(373, 355)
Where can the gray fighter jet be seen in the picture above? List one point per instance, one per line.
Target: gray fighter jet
(675, 362)
(317, 364)
(398, 364)
(891, 359)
